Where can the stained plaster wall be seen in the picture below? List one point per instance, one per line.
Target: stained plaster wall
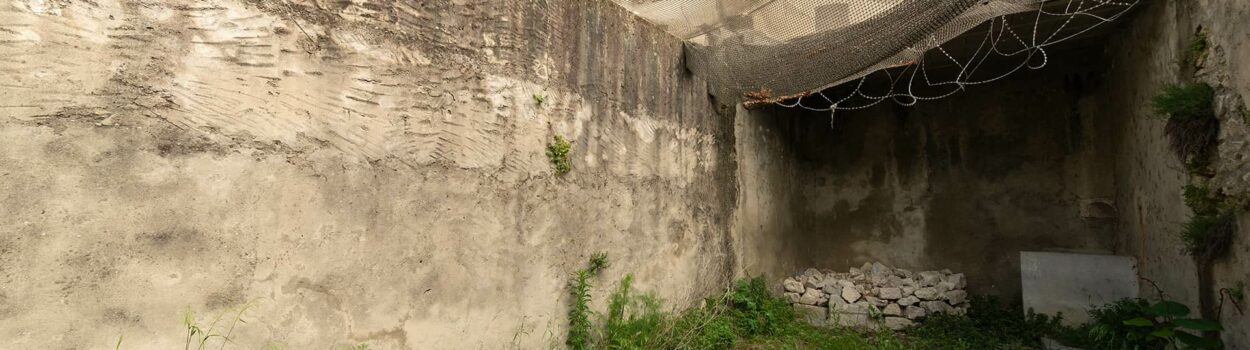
(367, 172)
(963, 183)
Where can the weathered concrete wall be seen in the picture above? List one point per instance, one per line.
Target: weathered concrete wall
(1148, 55)
(362, 172)
(965, 182)
(763, 219)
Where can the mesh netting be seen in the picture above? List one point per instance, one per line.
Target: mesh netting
(774, 49)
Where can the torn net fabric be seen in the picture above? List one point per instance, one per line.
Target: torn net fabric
(768, 50)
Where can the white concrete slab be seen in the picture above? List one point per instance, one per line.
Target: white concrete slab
(1068, 283)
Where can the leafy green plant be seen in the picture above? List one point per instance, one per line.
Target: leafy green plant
(1138, 324)
(579, 337)
(539, 99)
(598, 262)
(1164, 321)
(558, 153)
(1108, 330)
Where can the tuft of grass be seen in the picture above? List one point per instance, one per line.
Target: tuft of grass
(1193, 100)
(1207, 236)
(1192, 128)
(539, 99)
(558, 153)
(1197, 49)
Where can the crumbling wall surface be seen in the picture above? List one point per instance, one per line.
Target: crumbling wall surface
(359, 172)
(1154, 50)
(965, 182)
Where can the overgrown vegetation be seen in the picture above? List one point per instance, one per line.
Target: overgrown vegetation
(558, 153)
(991, 324)
(1207, 237)
(749, 317)
(1138, 324)
(579, 336)
(1192, 128)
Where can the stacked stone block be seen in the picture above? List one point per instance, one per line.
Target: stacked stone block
(875, 295)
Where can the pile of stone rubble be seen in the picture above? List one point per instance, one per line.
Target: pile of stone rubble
(875, 294)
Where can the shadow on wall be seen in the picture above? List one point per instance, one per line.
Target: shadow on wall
(963, 183)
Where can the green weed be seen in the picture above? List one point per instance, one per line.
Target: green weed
(1193, 100)
(1207, 236)
(1192, 128)
(1197, 49)
(1200, 200)
(579, 336)
(558, 153)
(598, 262)
(539, 100)
(1138, 324)
(748, 316)
(990, 324)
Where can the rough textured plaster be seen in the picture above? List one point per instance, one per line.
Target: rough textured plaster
(361, 172)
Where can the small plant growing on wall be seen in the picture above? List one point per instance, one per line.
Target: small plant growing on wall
(1207, 237)
(1197, 50)
(1209, 232)
(579, 336)
(558, 153)
(1192, 128)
